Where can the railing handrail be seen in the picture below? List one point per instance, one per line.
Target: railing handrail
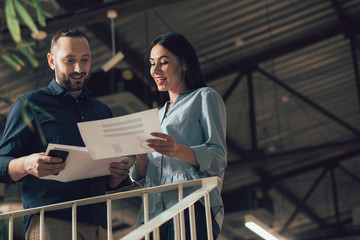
(102, 198)
(207, 184)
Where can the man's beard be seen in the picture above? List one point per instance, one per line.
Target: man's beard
(65, 81)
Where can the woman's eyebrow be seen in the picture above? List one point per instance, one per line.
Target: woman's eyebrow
(161, 57)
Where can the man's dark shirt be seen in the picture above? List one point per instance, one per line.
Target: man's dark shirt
(18, 140)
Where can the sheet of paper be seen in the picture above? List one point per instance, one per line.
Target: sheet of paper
(79, 164)
(120, 136)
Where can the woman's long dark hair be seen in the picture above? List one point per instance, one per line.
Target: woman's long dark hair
(178, 45)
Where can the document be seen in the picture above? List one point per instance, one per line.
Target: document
(120, 136)
(79, 164)
(106, 141)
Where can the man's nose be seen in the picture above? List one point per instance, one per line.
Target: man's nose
(77, 67)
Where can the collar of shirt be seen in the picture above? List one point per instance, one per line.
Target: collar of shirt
(57, 89)
(181, 96)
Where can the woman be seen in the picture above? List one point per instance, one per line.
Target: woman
(192, 144)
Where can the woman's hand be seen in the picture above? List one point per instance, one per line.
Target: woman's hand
(166, 144)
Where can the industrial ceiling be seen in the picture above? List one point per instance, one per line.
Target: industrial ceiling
(288, 71)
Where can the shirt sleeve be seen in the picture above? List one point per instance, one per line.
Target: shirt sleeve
(13, 141)
(212, 155)
(135, 175)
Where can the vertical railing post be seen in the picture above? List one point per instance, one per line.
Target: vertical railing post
(208, 216)
(156, 235)
(146, 211)
(74, 220)
(176, 227)
(192, 222)
(109, 219)
(42, 215)
(177, 213)
(11, 227)
(182, 217)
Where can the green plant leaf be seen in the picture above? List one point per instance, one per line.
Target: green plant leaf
(27, 107)
(12, 22)
(25, 16)
(26, 51)
(27, 44)
(38, 126)
(55, 4)
(18, 59)
(25, 115)
(39, 13)
(11, 62)
(47, 14)
(39, 109)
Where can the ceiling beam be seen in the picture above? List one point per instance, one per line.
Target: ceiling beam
(272, 182)
(334, 160)
(278, 50)
(330, 232)
(93, 19)
(302, 153)
(339, 11)
(232, 87)
(309, 102)
(131, 56)
(98, 13)
(301, 205)
(343, 18)
(291, 197)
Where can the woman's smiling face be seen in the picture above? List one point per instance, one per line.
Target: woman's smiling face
(167, 70)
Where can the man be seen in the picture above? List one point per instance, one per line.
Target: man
(22, 155)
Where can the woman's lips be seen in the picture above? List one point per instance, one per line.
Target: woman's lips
(160, 81)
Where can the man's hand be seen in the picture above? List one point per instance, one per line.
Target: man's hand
(41, 165)
(141, 164)
(119, 171)
(37, 164)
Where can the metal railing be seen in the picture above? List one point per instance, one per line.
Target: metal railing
(176, 212)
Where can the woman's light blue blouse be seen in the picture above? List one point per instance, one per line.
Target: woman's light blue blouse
(196, 119)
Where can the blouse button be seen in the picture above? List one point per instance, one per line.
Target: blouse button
(82, 117)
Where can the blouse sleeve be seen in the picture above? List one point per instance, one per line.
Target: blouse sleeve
(212, 155)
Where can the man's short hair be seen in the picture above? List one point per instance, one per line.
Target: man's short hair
(67, 32)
